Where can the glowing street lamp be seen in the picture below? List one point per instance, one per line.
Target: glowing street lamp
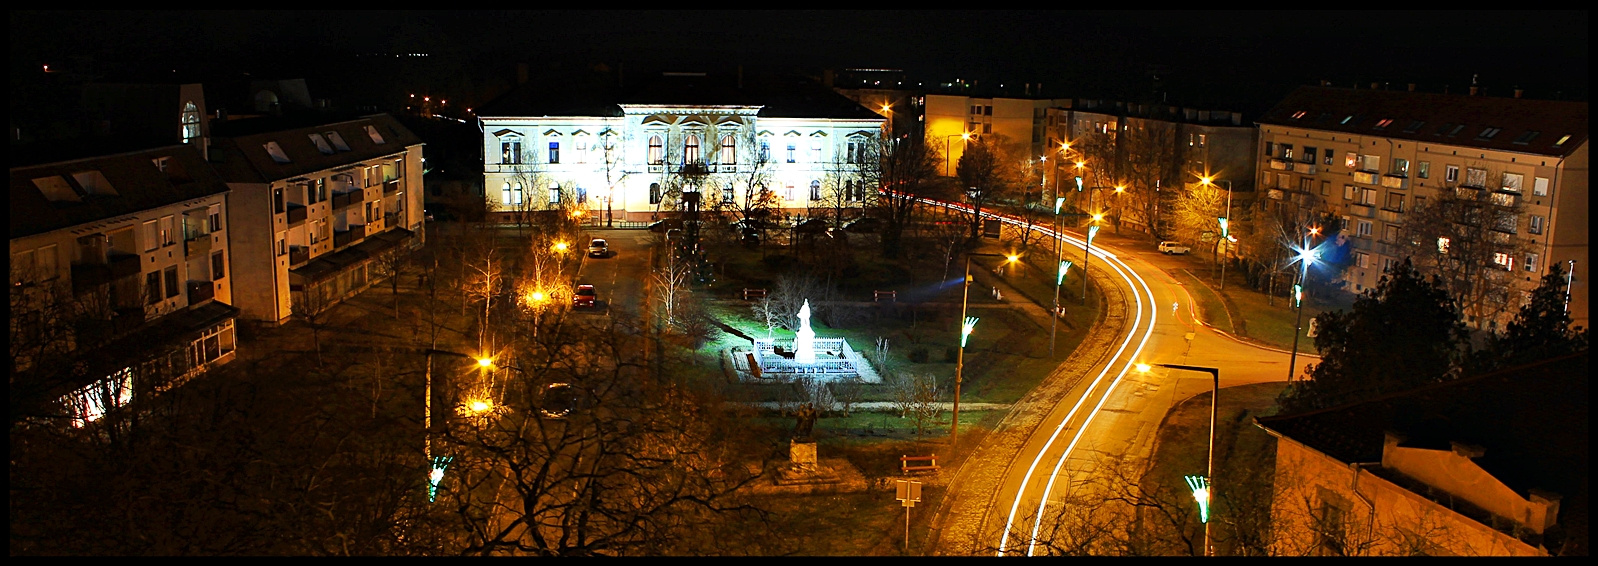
(1203, 487)
(967, 324)
(1201, 494)
(436, 475)
(1306, 256)
(561, 247)
(964, 136)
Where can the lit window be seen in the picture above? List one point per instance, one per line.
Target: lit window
(377, 138)
(510, 150)
(690, 149)
(729, 152)
(338, 141)
(191, 122)
(657, 150)
(1562, 140)
(1442, 245)
(554, 152)
(1384, 123)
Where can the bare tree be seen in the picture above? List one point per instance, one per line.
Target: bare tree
(671, 286)
(915, 397)
(987, 172)
(313, 303)
(393, 263)
(1152, 175)
(1468, 235)
(906, 172)
(1197, 211)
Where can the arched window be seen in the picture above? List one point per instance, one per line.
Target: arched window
(654, 193)
(657, 150)
(815, 190)
(690, 149)
(728, 150)
(191, 122)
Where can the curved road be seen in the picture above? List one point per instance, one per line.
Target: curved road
(1100, 409)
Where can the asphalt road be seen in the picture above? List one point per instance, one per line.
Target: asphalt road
(1096, 408)
(619, 278)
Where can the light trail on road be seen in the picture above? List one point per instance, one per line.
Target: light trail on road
(1145, 297)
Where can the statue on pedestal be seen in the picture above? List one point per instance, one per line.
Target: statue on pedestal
(804, 344)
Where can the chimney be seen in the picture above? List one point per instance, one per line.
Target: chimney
(1412, 87)
(1474, 90)
(1519, 92)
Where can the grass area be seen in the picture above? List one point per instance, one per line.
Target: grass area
(1211, 309)
(1245, 456)
(1272, 324)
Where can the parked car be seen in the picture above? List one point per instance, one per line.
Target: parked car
(664, 224)
(598, 248)
(863, 225)
(1174, 248)
(585, 297)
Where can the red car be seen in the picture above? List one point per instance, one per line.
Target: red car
(584, 297)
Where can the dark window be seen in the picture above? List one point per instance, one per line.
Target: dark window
(218, 267)
(1309, 155)
(277, 201)
(152, 287)
(1328, 158)
(171, 282)
(1270, 149)
(654, 193)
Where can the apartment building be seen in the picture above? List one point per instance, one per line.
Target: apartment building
(317, 203)
(121, 280)
(1370, 158)
(617, 151)
(1490, 465)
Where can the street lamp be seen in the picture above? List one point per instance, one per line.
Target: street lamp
(1086, 249)
(1225, 224)
(1054, 322)
(964, 136)
(1306, 256)
(1203, 488)
(967, 324)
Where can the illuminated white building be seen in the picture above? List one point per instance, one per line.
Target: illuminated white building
(623, 151)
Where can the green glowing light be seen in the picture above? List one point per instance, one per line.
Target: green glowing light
(1079, 183)
(1091, 231)
(1201, 493)
(437, 475)
(1064, 266)
(965, 329)
(1298, 295)
(1058, 202)
(1224, 224)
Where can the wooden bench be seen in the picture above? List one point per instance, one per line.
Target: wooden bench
(892, 296)
(752, 294)
(931, 465)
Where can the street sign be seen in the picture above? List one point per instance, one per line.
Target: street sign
(908, 492)
(990, 229)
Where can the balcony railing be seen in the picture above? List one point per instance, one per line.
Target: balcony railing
(89, 276)
(297, 213)
(342, 238)
(201, 291)
(391, 186)
(123, 265)
(1366, 177)
(1364, 210)
(1393, 216)
(1399, 182)
(1274, 193)
(1305, 168)
(1281, 164)
(358, 232)
(299, 255)
(343, 200)
(390, 219)
(198, 246)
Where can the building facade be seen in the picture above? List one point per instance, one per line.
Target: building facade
(121, 279)
(1489, 465)
(1373, 158)
(317, 207)
(633, 154)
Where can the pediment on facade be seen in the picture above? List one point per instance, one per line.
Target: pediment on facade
(694, 122)
(507, 132)
(580, 133)
(819, 135)
(552, 133)
(861, 134)
(792, 133)
(764, 133)
(656, 119)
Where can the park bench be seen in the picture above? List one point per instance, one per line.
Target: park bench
(930, 466)
(892, 296)
(752, 294)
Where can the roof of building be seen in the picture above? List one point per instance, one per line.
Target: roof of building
(240, 152)
(1508, 124)
(778, 96)
(135, 184)
(1531, 420)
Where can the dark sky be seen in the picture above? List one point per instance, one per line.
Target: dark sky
(1202, 56)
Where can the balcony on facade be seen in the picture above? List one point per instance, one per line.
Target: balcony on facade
(391, 187)
(198, 246)
(1304, 168)
(1390, 216)
(1366, 177)
(344, 200)
(201, 291)
(296, 213)
(299, 255)
(390, 219)
(91, 274)
(1364, 210)
(347, 237)
(1281, 164)
(1392, 181)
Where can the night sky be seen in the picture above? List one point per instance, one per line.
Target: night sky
(1200, 57)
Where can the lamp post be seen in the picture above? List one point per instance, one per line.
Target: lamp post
(1226, 222)
(1203, 492)
(436, 465)
(967, 324)
(1306, 256)
(1088, 248)
(964, 137)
